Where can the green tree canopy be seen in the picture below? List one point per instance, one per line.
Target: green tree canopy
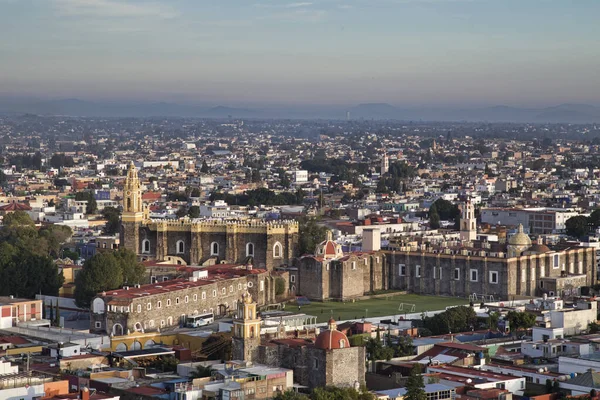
(113, 220)
(520, 320)
(577, 226)
(455, 319)
(310, 234)
(194, 212)
(106, 271)
(202, 372)
(415, 386)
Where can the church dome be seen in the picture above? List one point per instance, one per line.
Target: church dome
(331, 339)
(329, 249)
(520, 238)
(539, 248)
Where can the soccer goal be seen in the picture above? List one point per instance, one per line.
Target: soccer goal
(407, 307)
(489, 298)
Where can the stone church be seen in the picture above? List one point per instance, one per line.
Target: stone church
(330, 274)
(324, 360)
(264, 244)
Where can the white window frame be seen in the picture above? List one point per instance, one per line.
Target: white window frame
(417, 271)
(249, 246)
(293, 278)
(277, 250)
(158, 304)
(457, 274)
(471, 275)
(144, 243)
(401, 269)
(213, 246)
(98, 324)
(180, 247)
(492, 275)
(353, 265)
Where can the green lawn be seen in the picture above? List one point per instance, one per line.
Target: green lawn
(376, 307)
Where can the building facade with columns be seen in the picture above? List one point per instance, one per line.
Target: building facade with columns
(265, 244)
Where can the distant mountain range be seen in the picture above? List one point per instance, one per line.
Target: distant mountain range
(566, 113)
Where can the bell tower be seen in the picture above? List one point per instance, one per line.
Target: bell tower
(133, 211)
(468, 222)
(246, 330)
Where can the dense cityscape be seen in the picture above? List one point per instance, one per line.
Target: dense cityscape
(239, 258)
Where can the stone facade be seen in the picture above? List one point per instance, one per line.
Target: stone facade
(166, 304)
(315, 367)
(463, 274)
(352, 276)
(265, 244)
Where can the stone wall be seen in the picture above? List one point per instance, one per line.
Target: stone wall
(232, 241)
(219, 297)
(459, 275)
(345, 367)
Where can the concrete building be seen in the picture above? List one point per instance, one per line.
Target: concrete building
(541, 220)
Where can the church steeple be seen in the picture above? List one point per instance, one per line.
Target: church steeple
(133, 211)
(132, 192)
(246, 329)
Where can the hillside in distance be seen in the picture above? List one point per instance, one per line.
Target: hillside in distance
(564, 113)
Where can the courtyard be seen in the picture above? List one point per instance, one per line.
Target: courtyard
(392, 305)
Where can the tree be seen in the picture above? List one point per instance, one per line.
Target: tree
(204, 169)
(279, 286)
(92, 206)
(519, 320)
(290, 395)
(377, 351)
(594, 219)
(181, 212)
(415, 386)
(492, 320)
(309, 235)
(194, 212)
(455, 319)
(577, 226)
(434, 219)
(202, 371)
(106, 271)
(404, 347)
(18, 219)
(113, 220)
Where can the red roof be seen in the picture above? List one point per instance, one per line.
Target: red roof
(15, 207)
(151, 196)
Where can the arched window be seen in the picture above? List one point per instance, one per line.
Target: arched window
(251, 331)
(277, 250)
(250, 250)
(129, 204)
(145, 246)
(214, 249)
(180, 247)
(168, 302)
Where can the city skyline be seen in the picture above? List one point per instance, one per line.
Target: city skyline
(332, 52)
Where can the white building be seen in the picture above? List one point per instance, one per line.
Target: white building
(299, 176)
(540, 220)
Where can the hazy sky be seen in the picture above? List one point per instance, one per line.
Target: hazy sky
(405, 52)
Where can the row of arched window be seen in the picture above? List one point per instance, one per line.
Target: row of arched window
(214, 248)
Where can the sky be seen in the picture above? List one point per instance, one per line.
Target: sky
(338, 52)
